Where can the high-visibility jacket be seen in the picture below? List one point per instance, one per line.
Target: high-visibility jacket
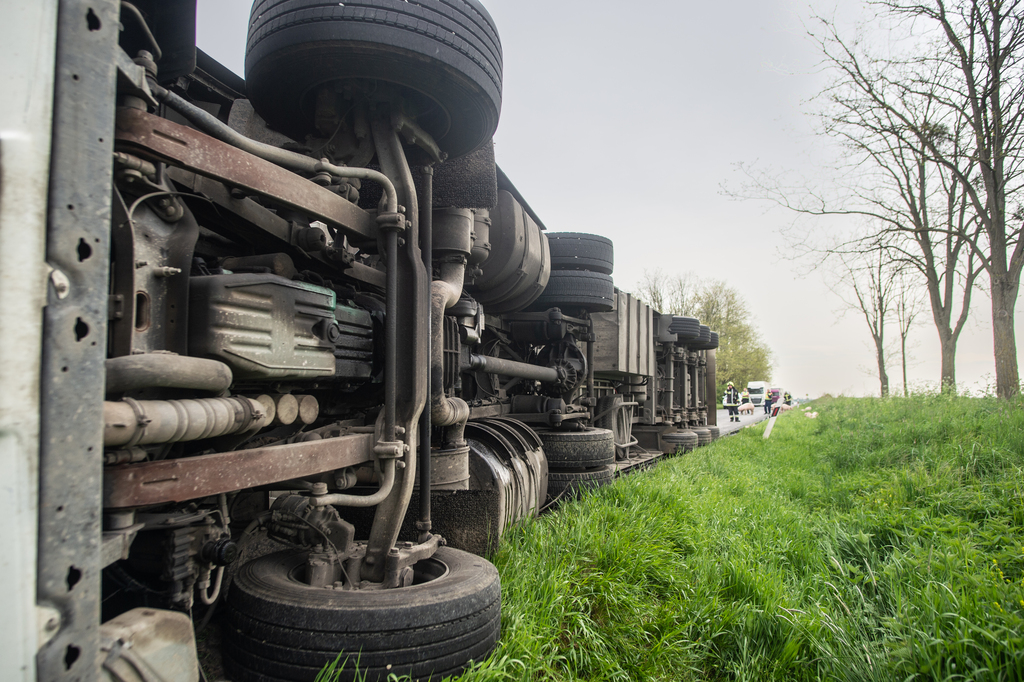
(745, 396)
(732, 397)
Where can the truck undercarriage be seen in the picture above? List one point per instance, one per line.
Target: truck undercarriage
(304, 351)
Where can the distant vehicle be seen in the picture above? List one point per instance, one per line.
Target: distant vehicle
(775, 394)
(757, 391)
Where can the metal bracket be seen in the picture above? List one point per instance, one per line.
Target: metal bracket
(117, 542)
(390, 449)
(131, 79)
(399, 561)
(416, 135)
(391, 222)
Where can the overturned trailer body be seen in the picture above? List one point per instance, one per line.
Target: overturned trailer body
(306, 313)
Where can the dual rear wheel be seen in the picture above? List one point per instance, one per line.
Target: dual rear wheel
(578, 461)
(581, 274)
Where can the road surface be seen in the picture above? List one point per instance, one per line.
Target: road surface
(746, 419)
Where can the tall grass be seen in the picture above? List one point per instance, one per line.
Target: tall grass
(882, 541)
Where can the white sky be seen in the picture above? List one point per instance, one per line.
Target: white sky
(627, 119)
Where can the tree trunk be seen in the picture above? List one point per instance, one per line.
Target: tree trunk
(947, 349)
(1004, 298)
(883, 377)
(903, 354)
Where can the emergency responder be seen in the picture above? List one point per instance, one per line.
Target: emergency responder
(767, 401)
(787, 398)
(732, 402)
(745, 397)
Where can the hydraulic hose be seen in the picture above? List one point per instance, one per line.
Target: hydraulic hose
(208, 597)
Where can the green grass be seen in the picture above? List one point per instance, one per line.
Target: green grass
(882, 541)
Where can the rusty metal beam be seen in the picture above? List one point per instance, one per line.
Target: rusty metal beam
(158, 139)
(190, 478)
(276, 230)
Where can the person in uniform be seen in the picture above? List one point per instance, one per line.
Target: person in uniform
(767, 401)
(787, 398)
(732, 402)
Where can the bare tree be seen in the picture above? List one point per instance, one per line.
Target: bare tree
(971, 78)
(669, 293)
(933, 154)
(907, 307)
(866, 284)
(918, 209)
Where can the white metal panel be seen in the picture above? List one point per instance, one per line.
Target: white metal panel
(27, 39)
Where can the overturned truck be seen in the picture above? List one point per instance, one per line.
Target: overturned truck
(304, 351)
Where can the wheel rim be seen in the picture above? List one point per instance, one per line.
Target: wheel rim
(424, 571)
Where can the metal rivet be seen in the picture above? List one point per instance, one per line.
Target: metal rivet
(61, 283)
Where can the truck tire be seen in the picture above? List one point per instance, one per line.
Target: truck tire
(705, 337)
(715, 433)
(581, 251)
(707, 341)
(445, 54)
(575, 289)
(564, 485)
(680, 441)
(578, 449)
(278, 628)
(616, 420)
(687, 328)
(703, 435)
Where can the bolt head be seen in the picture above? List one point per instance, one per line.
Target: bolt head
(61, 283)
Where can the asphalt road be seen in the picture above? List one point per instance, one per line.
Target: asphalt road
(725, 426)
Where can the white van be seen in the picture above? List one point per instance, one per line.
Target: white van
(757, 390)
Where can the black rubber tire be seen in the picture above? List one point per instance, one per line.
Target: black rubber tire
(703, 340)
(705, 335)
(716, 433)
(581, 251)
(710, 343)
(566, 485)
(445, 52)
(573, 290)
(277, 628)
(703, 435)
(681, 441)
(687, 328)
(616, 420)
(578, 449)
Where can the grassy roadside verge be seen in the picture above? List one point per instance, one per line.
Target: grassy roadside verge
(883, 540)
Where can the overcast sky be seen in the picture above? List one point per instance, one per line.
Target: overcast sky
(627, 120)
